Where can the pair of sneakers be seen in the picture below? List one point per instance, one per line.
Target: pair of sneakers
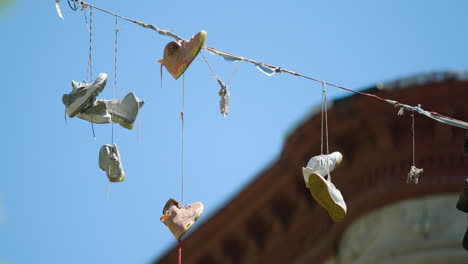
(180, 219)
(318, 181)
(82, 102)
(462, 205)
(109, 161)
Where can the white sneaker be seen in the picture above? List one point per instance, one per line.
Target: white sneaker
(321, 188)
(109, 161)
(82, 94)
(123, 111)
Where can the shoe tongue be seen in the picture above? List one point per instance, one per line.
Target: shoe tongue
(170, 203)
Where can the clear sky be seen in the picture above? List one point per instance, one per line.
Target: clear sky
(53, 205)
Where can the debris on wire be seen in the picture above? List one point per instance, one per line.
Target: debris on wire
(57, 8)
(224, 101)
(413, 175)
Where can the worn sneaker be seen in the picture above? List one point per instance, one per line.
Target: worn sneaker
(179, 54)
(321, 187)
(109, 161)
(123, 111)
(180, 219)
(462, 203)
(82, 94)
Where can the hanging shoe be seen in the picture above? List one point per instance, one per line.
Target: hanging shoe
(123, 111)
(180, 219)
(82, 94)
(179, 54)
(465, 240)
(96, 112)
(109, 161)
(462, 203)
(321, 187)
(465, 148)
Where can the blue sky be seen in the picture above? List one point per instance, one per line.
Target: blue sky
(53, 205)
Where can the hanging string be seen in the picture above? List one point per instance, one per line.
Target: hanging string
(234, 72)
(179, 245)
(139, 121)
(223, 92)
(92, 122)
(321, 125)
(115, 71)
(108, 189)
(270, 69)
(161, 72)
(326, 118)
(209, 66)
(89, 74)
(412, 132)
(324, 114)
(182, 120)
(214, 73)
(413, 175)
(115, 88)
(108, 181)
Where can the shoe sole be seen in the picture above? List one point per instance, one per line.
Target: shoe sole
(319, 190)
(78, 105)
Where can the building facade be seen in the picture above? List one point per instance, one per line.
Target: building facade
(276, 220)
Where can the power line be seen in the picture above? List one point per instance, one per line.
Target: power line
(270, 70)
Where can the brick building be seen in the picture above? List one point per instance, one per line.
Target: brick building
(388, 221)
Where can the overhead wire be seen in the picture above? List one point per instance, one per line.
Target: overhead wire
(270, 70)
